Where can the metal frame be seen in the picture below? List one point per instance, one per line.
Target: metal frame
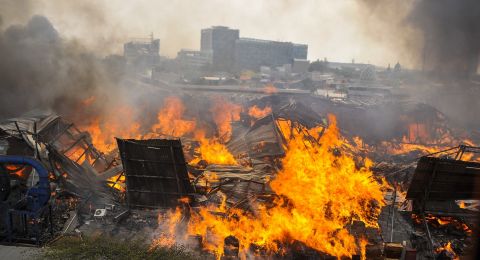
(150, 173)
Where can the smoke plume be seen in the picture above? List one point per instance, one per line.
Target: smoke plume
(451, 30)
(40, 70)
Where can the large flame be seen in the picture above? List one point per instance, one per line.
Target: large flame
(122, 123)
(212, 151)
(320, 192)
(170, 119)
(224, 113)
(104, 129)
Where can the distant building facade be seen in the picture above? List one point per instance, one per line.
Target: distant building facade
(142, 52)
(230, 53)
(253, 53)
(300, 51)
(194, 58)
(220, 41)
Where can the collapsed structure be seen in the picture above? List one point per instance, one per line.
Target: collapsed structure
(270, 162)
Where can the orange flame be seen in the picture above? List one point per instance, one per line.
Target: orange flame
(18, 170)
(224, 113)
(117, 182)
(338, 193)
(79, 155)
(257, 112)
(449, 249)
(443, 221)
(168, 222)
(421, 142)
(170, 120)
(103, 130)
(212, 151)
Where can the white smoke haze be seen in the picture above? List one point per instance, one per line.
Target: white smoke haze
(84, 32)
(338, 30)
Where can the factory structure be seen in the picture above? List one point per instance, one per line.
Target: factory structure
(224, 50)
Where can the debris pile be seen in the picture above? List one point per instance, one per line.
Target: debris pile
(262, 177)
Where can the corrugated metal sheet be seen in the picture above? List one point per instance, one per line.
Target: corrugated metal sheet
(445, 179)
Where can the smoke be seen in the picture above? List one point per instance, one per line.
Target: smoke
(450, 53)
(364, 30)
(451, 31)
(386, 24)
(40, 70)
(440, 36)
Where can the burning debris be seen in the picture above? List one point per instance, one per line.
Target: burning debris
(242, 191)
(244, 149)
(317, 219)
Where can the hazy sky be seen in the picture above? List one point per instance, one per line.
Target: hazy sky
(365, 30)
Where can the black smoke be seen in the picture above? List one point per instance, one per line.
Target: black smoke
(451, 30)
(40, 70)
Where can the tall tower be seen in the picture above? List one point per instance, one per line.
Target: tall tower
(220, 41)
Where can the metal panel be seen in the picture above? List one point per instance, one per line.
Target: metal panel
(156, 172)
(445, 179)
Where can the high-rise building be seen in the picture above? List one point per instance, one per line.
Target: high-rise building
(253, 53)
(220, 41)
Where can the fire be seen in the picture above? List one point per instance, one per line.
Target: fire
(168, 223)
(184, 200)
(170, 120)
(270, 89)
(117, 182)
(419, 141)
(394, 148)
(212, 151)
(257, 112)
(78, 155)
(449, 250)
(104, 129)
(208, 179)
(338, 193)
(224, 113)
(438, 222)
(18, 170)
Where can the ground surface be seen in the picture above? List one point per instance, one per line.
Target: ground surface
(19, 252)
